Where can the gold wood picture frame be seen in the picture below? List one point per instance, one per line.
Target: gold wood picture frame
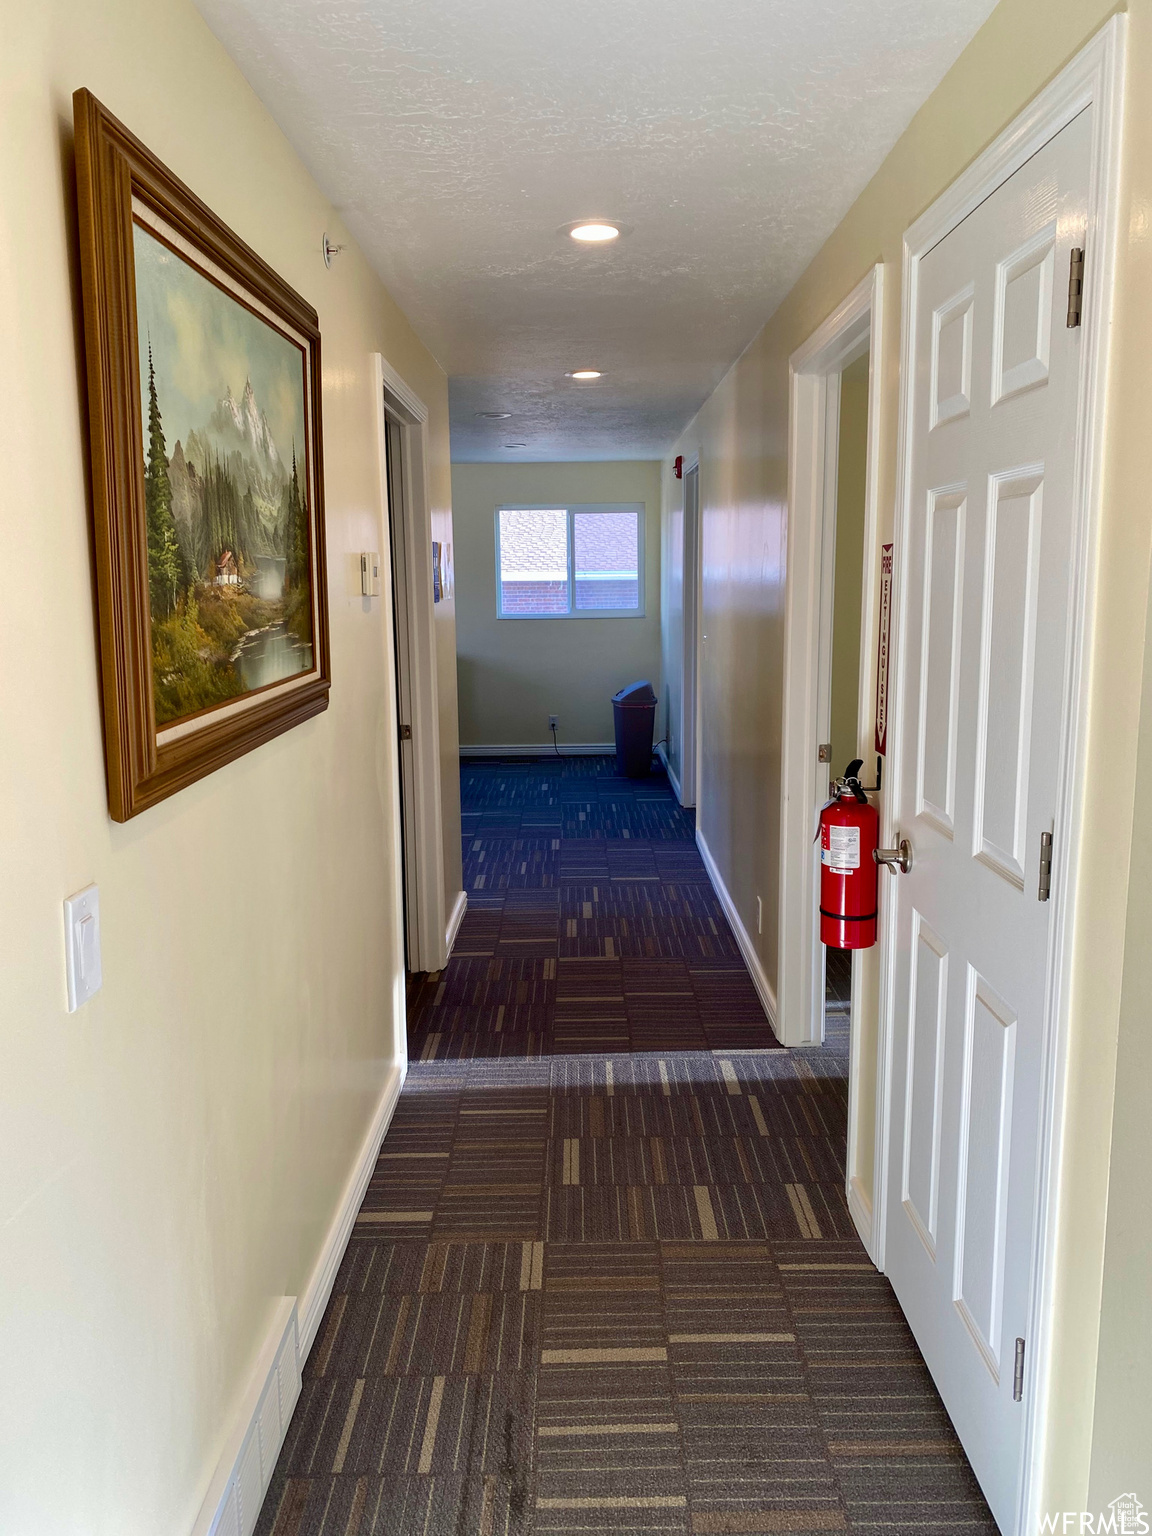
(207, 478)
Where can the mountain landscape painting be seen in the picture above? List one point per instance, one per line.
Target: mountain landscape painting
(226, 489)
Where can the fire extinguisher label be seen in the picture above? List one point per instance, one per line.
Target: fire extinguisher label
(843, 848)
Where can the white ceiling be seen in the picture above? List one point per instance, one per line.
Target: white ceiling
(457, 136)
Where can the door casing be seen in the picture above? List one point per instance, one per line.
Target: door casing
(1094, 78)
(420, 887)
(855, 326)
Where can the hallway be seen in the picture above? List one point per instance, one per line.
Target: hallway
(394, 1139)
(604, 1278)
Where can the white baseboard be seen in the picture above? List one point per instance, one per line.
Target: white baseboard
(662, 754)
(232, 1504)
(860, 1209)
(544, 749)
(743, 937)
(455, 918)
(242, 1475)
(319, 1287)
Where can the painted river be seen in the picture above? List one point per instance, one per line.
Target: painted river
(270, 655)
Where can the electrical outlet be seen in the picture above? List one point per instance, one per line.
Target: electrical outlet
(759, 915)
(553, 722)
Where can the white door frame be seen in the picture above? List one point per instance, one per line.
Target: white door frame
(856, 325)
(690, 651)
(420, 804)
(1094, 78)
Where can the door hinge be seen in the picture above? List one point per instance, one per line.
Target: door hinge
(405, 733)
(1018, 1373)
(824, 752)
(1075, 285)
(1044, 889)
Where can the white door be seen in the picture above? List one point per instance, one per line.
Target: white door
(987, 564)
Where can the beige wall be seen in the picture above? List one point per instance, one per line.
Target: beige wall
(514, 673)
(1122, 1440)
(173, 1153)
(741, 435)
(851, 483)
(1115, 952)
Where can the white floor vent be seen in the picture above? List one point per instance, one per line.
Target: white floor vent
(233, 1501)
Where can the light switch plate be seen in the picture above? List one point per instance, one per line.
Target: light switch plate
(82, 945)
(370, 573)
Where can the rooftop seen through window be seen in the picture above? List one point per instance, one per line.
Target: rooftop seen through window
(570, 562)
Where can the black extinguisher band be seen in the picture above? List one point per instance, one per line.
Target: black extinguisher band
(842, 917)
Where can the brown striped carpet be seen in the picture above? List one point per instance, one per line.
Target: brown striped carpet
(604, 1279)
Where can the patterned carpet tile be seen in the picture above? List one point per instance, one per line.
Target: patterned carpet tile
(670, 895)
(604, 1279)
(838, 974)
(595, 821)
(478, 932)
(579, 1003)
(612, 998)
(465, 1045)
(530, 856)
(639, 921)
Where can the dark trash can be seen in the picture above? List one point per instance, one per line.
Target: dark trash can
(634, 714)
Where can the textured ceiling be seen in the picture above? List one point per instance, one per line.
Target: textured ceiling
(457, 136)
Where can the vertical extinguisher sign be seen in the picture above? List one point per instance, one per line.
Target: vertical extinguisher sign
(884, 649)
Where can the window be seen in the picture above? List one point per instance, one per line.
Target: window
(532, 551)
(570, 562)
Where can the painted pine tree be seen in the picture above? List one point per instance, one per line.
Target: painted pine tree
(221, 504)
(296, 533)
(164, 560)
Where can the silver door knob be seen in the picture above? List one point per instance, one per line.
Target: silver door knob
(898, 858)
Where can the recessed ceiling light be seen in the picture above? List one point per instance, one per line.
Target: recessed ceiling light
(595, 232)
(495, 415)
(515, 445)
(585, 373)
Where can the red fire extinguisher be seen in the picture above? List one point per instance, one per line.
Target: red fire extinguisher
(849, 833)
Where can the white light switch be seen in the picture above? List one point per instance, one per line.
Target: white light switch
(370, 573)
(82, 943)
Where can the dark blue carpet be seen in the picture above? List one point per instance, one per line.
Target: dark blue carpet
(591, 926)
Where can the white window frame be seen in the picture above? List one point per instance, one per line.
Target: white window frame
(570, 508)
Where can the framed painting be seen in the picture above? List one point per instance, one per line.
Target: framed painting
(207, 482)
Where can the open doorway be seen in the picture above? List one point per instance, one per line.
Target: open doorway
(829, 661)
(408, 530)
(829, 626)
(845, 563)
